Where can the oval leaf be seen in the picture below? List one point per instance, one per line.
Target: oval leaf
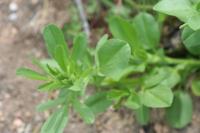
(79, 47)
(196, 87)
(133, 102)
(182, 9)
(179, 8)
(157, 97)
(122, 29)
(61, 57)
(180, 113)
(149, 36)
(56, 122)
(54, 37)
(84, 111)
(142, 115)
(191, 40)
(98, 102)
(113, 58)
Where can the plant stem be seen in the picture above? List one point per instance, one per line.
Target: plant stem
(139, 6)
(182, 61)
(83, 17)
(153, 59)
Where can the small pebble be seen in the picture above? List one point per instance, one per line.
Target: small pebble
(34, 1)
(27, 114)
(1, 117)
(7, 96)
(141, 131)
(13, 7)
(18, 123)
(13, 16)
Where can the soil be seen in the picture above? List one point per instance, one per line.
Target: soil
(20, 38)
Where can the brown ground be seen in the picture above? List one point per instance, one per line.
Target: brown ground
(20, 39)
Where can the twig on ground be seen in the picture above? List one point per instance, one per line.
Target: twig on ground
(83, 17)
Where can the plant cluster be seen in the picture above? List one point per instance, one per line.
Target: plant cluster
(128, 70)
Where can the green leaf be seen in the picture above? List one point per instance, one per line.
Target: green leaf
(98, 102)
(172, 79)
(179, 8)
(113, 58)
(54, 37)
(147, 29)
(79, 47)
(79, 84)
(191, 40)
(180, 113)
(51, 67)
(133, 101)
(75, 87)
(195, 1)
(85, 112)
(196, 87)
(182, 9)
(142, 115)
(140, 55)
(132, 68)
(157, 97)
(50, 62)
(56, 122)
(61, 57)
(162, 76)
(155, 77)
(101, 42)
(25, 72)
(50, 104)
(194, 20)
(122, 29)
(52, 70)
(117, 94)
(50, 86)
(197, 5)
(37, 62)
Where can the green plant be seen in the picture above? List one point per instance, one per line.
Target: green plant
(188, 12)
(128, 70)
